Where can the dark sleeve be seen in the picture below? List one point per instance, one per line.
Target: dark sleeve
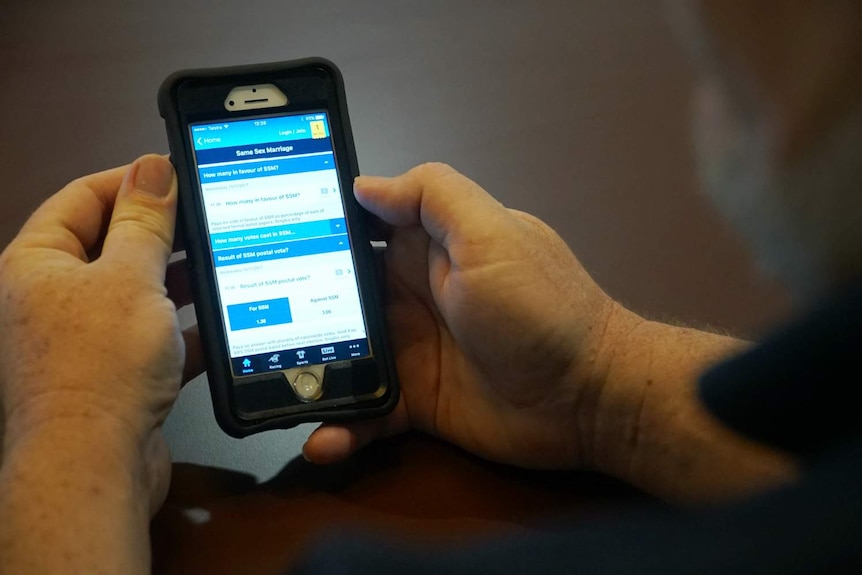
(812, 527)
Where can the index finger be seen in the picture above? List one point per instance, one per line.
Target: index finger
(73, 219)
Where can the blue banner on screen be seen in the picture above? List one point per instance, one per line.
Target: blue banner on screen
(267, 168)
(262, 151)
(260, 131)
(280, 251)
(263, 236)
(279, 240)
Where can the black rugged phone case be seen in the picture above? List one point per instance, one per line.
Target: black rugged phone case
(205, 295)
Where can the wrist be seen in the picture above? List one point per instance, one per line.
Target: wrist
(79, 411)
(649, 427)
(608, 409)
(95, 439)
(79, 483)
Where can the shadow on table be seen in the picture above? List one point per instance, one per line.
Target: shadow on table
(411, 487)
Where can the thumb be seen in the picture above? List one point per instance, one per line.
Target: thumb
(142, 222)
(332, 442)
(450, 206)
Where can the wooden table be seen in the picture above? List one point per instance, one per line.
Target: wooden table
(412, 487)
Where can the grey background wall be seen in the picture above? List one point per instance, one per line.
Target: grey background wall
(574, 111)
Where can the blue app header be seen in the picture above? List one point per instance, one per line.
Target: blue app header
(265, 169)
(306, 126)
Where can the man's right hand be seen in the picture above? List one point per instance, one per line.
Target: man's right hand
(496, 327)
(506, 347)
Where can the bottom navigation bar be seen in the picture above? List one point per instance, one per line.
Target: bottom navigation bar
(291, 358)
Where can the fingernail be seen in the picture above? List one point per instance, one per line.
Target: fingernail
(153, 176)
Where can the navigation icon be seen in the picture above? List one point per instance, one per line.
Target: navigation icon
(274, 358)
(246, 363)
(300, 354)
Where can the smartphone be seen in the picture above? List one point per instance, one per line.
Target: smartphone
(286, 290)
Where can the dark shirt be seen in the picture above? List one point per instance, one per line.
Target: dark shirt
(796, 392)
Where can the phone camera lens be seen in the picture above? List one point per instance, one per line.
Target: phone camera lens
(230, 103)
(254, 89)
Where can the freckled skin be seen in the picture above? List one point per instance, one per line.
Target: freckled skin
(506, 347)
(91, 358)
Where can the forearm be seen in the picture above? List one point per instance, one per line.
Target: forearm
(72, 500)
(653, 431)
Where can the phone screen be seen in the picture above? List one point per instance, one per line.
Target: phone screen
(279, 242)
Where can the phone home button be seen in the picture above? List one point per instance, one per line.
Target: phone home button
(307, 386)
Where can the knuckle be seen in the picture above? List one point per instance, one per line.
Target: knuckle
(11, 264)
(435, 169)
(528, 218)
(142, 219)
(437, 176)
(79, 181)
